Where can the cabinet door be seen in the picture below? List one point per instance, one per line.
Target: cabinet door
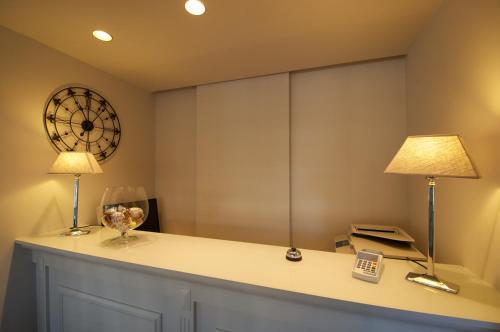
(85, 297)
(224, 310)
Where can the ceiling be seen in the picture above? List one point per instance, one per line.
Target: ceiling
(157, 45)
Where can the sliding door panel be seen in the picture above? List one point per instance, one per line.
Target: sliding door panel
(242, 158)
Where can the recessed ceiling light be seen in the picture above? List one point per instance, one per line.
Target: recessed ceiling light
(102, 35)
(194, 7)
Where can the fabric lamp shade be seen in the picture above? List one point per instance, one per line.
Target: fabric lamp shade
(75, 163)
(434, 156)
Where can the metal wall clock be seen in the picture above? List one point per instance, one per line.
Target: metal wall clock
(79, 119)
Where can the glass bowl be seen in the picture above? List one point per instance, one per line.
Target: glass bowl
(123, 209)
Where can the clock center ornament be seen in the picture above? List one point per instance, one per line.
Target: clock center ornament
(87, 125)
(80, 119)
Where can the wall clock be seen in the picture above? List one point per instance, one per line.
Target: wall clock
(79, 119)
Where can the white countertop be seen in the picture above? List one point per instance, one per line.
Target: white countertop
(323, 274)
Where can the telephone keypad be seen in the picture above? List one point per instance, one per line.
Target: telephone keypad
(367, 266)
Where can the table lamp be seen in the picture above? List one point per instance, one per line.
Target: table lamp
(433, 156)
(76, 163)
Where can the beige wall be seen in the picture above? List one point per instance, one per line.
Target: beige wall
(33, 201)
(453, 81)
(347, 123)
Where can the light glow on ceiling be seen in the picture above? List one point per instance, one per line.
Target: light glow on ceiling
(194, 7)
(102, 35)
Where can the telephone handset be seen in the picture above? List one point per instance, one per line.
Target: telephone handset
(368, 265)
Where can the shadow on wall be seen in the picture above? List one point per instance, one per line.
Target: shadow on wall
(20, 294)
(52, 211)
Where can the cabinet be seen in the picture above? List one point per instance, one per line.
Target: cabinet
(174, 283)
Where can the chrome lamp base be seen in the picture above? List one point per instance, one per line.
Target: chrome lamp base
(76, 231)
(294, 255)
(432, 281)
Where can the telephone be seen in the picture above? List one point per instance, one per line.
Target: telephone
(368, 265)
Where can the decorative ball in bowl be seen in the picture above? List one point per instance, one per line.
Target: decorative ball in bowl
(123, 209)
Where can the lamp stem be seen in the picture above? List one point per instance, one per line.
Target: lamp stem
(75, 230)
(430, 279)
(431, 252)
(292, 254)
(75, 201)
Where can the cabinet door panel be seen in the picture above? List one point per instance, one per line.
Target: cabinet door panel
(215, 319)
(84, 312)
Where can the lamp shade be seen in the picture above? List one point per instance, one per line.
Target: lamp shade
(75, 163)
(435, 155)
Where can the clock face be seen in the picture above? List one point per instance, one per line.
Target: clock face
(79, 119)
